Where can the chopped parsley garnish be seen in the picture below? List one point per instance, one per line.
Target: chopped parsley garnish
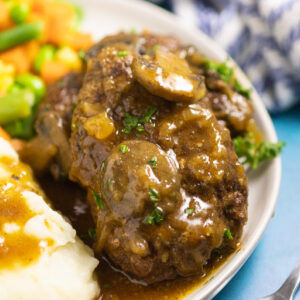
(92, 233)
(223, 69)
(151, 110)
(74, 106)
(123, 148)
(153, 194)
(155, 217)
(240, 89)
(133, 122)
(130, 122)
(253, 153)
(153, 162)
(98, 200)
(74, 125)
(123, 53)
(81, 54)
(154, 49)
(228, 234)
(109, 182)
(140, 128)
(102, 167)
(189, 211)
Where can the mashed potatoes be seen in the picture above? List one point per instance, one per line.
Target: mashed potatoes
(40, 255)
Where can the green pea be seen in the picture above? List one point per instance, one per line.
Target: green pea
(19, 13)
(46, 53)
(33, 83)
(14, 88)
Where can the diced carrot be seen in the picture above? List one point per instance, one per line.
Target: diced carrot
(53, 70)
(40, 6)
(5, 20)
(4, 134)
(79, 41)
(32, 49)
(60, 17)
(17, 57)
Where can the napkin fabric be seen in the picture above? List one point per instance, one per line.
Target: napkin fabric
(263, 36)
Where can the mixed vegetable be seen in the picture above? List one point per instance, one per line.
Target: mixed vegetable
(39, 42)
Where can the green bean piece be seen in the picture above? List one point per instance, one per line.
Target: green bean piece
(21, 128)
(15, 106)
(46, 53)
(33, 83)
(19, 13)
(20, 34)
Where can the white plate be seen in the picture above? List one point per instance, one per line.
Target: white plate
(110, 16)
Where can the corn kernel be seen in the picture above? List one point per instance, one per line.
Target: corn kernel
(70, 57)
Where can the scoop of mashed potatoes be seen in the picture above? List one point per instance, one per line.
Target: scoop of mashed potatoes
(40, 255)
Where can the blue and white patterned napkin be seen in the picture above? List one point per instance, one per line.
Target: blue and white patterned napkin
(263, 36)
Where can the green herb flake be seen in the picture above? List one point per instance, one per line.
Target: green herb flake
(253, 153)
(153, 162)
(223, 69)
(240, 89)
(102, 167)
(130, 122)
(155, 217)
(122, 53)
(189, 211)
(133, 122)
(74, 106)
(228, 234)
(140, 128)
(106, 285)
(123, 148)
(151, 110)
(98, 200)
(74, 125)
(154, 49)
(92, 233)
(110, 182)
(81, 54)
(153, 194)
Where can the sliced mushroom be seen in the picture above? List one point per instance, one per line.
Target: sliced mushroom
(168, 76)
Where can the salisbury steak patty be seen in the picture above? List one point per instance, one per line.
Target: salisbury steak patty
(164, 181)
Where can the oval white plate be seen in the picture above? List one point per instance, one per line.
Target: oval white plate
(104, 17)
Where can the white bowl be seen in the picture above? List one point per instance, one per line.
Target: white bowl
(104, 17)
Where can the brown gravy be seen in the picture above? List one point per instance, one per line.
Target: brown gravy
(69, 198)
(16, 247)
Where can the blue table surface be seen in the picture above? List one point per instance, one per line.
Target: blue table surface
(278, 251)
